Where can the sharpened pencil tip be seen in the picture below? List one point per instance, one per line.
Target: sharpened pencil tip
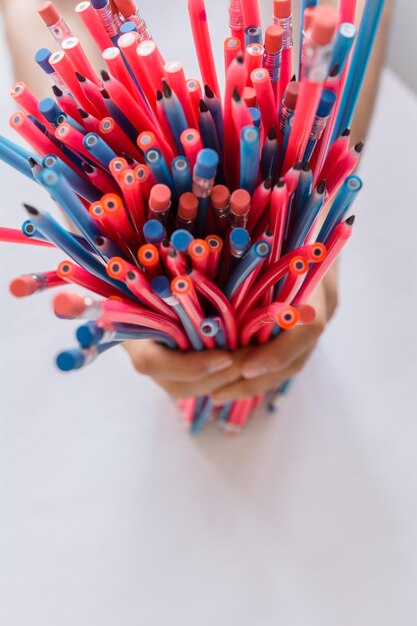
(298, 166)
(99, 240)
(32, 162)
(359, 147)
(281, 182)
(128, 158)
(239, 58)
(272, 134)
(31, 209)
(105, 94)
(268, 182)
(166, 89)
(307, 167)
(293, 78)
(57, 91)
(80, 77)
(321, 187)
(335, 71)
(350, 220)
(202, 106)
(88, 169)
(104, 75)
(208, 91)
(346, 132)
(83, 113)
(236, 95)
(158, 95)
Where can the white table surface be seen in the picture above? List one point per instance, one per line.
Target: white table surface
(110, 514)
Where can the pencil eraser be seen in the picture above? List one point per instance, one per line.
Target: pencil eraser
(240, 202)
(99, 4)
(89, 333)
(126, 7)
(160, 197)
(128, 27)
(291, 94)
(327, 101)
(68, 305)
(220, 197)
(181, 239)
(161, 286)
(273, 38)
(49, 13)
(188, 206)
(308, 18)
(324, 24)
(23, 286)
(153, 231)
(239, 239)
(70, 360)
(282, 8)
(206, 165)
(42, 59)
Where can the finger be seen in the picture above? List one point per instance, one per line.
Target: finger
(205, 386)
(154, 360)
(277, 355)
(249, 388)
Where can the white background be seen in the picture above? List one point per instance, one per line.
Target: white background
(109, 514)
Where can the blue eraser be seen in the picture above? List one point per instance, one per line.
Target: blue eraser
(49, 108)
(99, 4)
(181, 239)
(128, 27)
(70, 360)
(327, 101)
(153, 231)
(42, 59)
(89, 334)
(256, 116)
(207, 162)
(161, 286)
(239, 239)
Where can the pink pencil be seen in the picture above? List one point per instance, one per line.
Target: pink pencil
(14, 235)
(251, 14)
(28, 284)
(317, 58)
(201, 35)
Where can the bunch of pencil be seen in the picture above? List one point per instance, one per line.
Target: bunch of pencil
(198, 220)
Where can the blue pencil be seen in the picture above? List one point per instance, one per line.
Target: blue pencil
(181, 174)
(155, 161)
(99, 148)
(344, 200)
(255, 255)
(342, 46)
(360, 58)
(91, 333)
(249, 155)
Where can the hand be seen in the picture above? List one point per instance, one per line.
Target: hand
(267, 366)
(184, 375)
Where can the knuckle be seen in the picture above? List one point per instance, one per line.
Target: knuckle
(142, 362)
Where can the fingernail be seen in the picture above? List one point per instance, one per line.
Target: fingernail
(220, 365)
(253, 371)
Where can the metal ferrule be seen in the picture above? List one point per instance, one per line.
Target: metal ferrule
(90, 355)
(237, 220)
(60, 30)
(41, 281)
(318, 127)
(221, 213)
(272, 62)
(58, 82)
(235, 15)
(237, 254)
(284, 116)
(286, 25)
(108, 21)
(171, 301)
(93, 309)
(141, 25)
(202, 187)
(108, 335)
(315, 60)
